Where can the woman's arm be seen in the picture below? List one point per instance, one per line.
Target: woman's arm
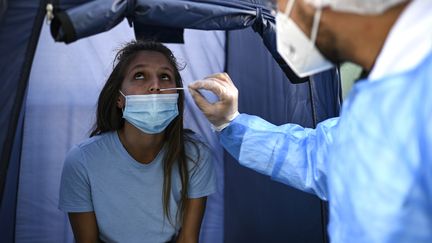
(194, 212)
(84, 227)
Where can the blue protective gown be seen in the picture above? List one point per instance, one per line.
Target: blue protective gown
(373, 164)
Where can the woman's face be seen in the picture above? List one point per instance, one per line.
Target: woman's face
(147, 72)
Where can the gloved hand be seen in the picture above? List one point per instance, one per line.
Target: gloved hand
(223, 111)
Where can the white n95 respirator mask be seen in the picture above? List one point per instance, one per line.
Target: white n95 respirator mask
(299, 51)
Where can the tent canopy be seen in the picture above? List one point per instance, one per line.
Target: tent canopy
(165, 20)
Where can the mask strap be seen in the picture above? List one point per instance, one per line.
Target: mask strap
(125, 100)
(315, 25)
(289, 7)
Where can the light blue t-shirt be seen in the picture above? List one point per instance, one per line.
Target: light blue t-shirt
(99, 175)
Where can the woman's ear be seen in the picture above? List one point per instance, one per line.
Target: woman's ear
(120, 101)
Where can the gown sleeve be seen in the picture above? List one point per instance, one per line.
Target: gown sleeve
(289, 153)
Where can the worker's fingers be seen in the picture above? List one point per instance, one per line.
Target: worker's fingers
(203, 84)
(215, 75)
(210, 84)
(222, 111)
(201, 102)
(224, 77)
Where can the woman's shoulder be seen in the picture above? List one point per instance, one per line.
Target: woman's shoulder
(91, 144)
(83, 155)
(95, 141)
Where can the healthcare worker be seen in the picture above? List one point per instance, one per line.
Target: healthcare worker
(374, 163)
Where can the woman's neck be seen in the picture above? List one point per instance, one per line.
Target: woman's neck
(141, 146)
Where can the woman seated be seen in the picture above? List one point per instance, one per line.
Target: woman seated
(140, 177)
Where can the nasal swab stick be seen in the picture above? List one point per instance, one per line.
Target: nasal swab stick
(179, 88)
(159, 89)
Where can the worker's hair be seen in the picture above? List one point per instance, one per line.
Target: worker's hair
(109, 118)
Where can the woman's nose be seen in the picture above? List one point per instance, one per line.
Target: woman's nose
(154, 90)
(154, 85)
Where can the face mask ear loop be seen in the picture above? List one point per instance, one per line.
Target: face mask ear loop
(315, 25)
(125, 100)
(289, 7)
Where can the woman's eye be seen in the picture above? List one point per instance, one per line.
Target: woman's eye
(165, 77)
(139, 76)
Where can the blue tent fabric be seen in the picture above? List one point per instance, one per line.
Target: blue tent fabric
(20, 23)
(101, 15)
(326, 93)
(3, 7)
(164, 20)
(9, 200)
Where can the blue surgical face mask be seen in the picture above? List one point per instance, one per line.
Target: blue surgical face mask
(150, 113)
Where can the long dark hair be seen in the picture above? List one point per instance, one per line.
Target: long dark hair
(109, 118)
